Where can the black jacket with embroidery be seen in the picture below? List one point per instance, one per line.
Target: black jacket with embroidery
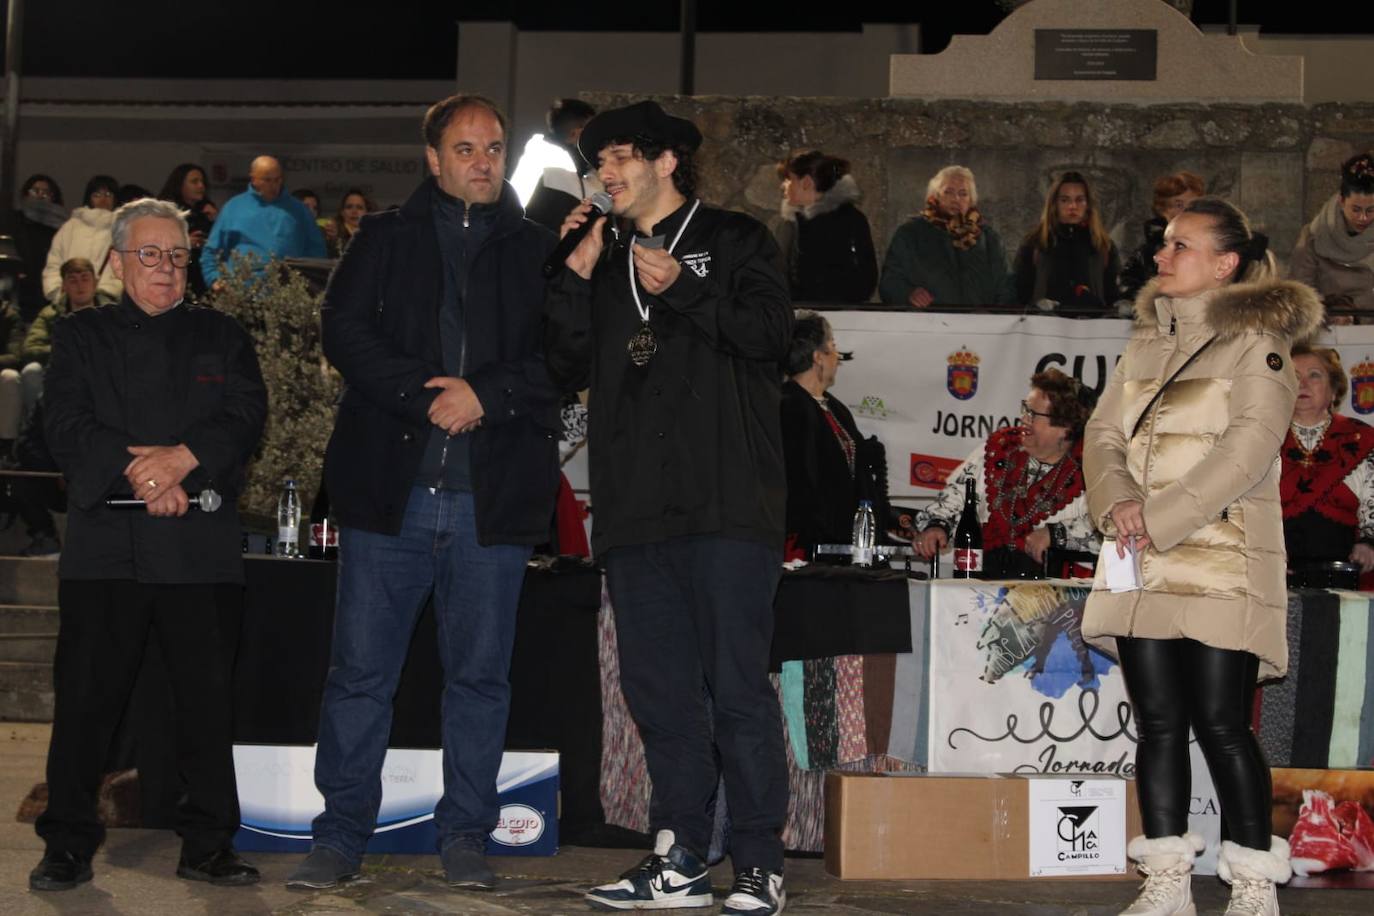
(691, 443)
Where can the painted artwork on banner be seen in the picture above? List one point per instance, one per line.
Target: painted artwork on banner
(1328, 819)
(1015, 689)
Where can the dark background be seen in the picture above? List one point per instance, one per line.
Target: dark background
(418, 40)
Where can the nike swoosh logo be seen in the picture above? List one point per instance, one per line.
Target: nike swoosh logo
(669, 888)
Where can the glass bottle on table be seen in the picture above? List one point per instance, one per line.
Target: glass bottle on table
(324, 533)
(289, 521)
(968, 537)
(864, 534)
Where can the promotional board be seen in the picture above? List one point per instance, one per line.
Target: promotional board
(278, 800)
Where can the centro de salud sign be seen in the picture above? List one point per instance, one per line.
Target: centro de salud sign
(1096, 54)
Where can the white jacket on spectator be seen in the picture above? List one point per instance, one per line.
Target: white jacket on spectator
(85, 235)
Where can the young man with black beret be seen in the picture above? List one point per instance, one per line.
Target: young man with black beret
(677, 320)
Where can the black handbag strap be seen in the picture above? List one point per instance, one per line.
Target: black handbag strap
(1169, 381)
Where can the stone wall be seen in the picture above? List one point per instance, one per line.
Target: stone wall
(1278, 162)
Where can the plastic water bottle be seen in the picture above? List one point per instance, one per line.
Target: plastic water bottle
(863, 534)
(289, 521)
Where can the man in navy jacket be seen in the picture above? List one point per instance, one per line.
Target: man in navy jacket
(442, 471)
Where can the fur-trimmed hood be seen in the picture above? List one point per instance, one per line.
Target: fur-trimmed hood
(1282, 308)
(844, 191)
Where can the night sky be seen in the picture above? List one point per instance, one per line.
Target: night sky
(418, 40)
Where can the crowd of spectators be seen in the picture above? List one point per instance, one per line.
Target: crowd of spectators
(64, 260)
(949, 254)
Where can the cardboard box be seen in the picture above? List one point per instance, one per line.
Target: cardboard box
(278, 800)
(919, 826)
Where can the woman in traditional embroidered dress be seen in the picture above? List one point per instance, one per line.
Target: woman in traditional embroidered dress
(1029, 480)
(1327, 487)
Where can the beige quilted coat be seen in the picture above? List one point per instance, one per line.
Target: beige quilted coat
(1205, 465)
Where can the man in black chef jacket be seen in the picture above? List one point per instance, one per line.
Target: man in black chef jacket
(162, 400)
(679, 326)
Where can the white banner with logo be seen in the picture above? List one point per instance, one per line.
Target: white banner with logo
(1014, 689)
(933, 386)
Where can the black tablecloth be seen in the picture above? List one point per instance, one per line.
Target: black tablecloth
(283, 658)
(284, 655)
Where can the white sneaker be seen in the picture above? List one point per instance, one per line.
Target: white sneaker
(755, 893)
(671, 877)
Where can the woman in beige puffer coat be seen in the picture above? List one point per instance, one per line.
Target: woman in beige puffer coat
(1190, 481)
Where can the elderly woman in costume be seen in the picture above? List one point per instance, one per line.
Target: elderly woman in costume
(1327, 485)
(1029, 481)
(830, 466)
(1181, 475)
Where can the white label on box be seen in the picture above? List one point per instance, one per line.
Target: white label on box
(1077, 826)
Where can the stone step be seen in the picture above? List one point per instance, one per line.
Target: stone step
(25, 692)
(30, 581)
(28, 619)
(28, 647)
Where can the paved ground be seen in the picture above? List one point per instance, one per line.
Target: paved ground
(134, 876)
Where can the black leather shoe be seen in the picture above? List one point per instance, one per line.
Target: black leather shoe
(223, 867)
(59, 871)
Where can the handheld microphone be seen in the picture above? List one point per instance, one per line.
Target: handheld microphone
(601, 205)
(206, 501)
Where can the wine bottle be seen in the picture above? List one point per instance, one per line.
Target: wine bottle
(968, 537)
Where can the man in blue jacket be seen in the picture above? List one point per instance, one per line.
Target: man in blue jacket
(442, 471)
(262, 222)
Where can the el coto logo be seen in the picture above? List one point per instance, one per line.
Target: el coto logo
(1078, 834)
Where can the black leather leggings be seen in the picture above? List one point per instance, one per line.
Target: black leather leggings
(1174, 683)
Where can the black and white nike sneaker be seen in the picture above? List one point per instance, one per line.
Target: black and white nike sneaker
(756, 893)
(672, 877)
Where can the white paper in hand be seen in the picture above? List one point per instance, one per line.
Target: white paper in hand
(1123, 573)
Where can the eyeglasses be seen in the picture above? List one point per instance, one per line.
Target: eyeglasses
(1027, 412)
(102, 192)
(151, 255)
(40, 190)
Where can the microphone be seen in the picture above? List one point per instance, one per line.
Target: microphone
(206, 501)
(601, 205)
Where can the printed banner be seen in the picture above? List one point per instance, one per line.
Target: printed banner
(1014, 689)
(933, 386)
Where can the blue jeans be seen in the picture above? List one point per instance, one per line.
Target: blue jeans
(384, 581)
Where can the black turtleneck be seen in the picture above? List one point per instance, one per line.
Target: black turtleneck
(462, 230)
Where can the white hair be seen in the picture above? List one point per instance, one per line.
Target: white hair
(951, 171)
(143, 207)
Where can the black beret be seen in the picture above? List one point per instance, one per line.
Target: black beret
(642, 119)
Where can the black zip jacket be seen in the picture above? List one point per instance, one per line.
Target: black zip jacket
(380, 322)
(691, 443)
(117, 378)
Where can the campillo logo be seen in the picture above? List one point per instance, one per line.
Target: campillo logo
(1078, 834)
(961, 379)
(1076, 788)
(519, 825)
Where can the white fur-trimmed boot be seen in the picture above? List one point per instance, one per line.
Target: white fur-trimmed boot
(1167, 864)
(1252, 874)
